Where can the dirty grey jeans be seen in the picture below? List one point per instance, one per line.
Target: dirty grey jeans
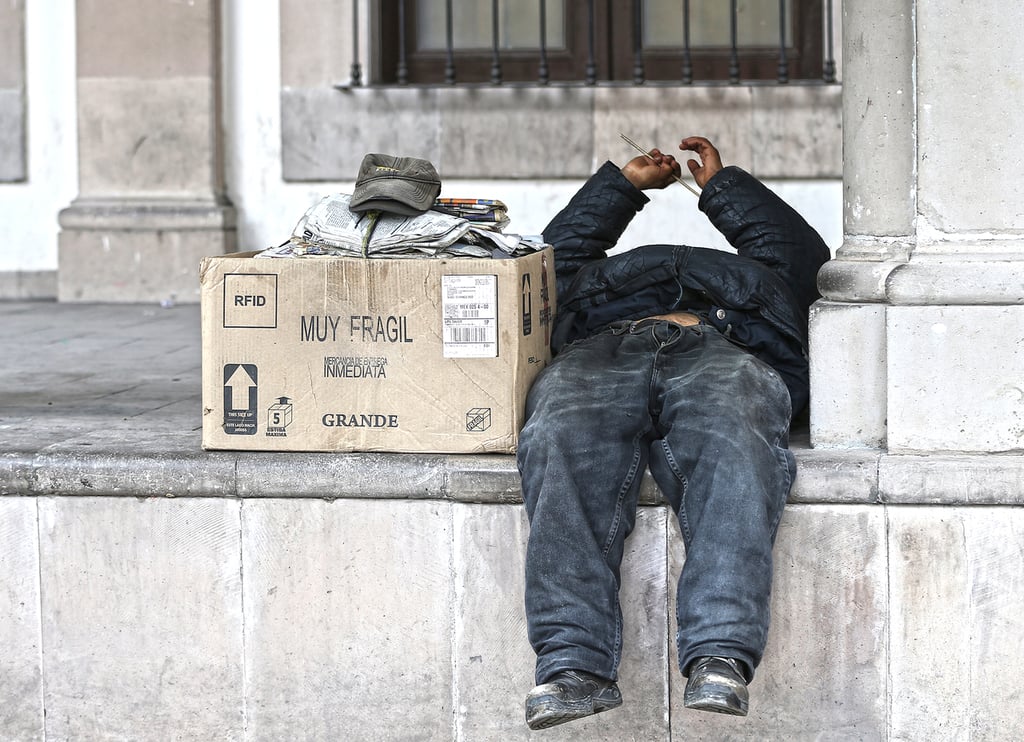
(712, 423)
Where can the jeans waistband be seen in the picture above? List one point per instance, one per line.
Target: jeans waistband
(620, 327)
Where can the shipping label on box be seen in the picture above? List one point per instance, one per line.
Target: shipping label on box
(350, 354)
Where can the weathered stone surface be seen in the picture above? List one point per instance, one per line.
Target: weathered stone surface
(13, 158)
(136, 266)
(108, 403)
(92, 473)
(34, 285)
(143, 137)
(519, 132)
(862, 280)
(957, 627)
(962, 282)
(363, 475)
(152, 40)
(356, 606)
(13, 111)
(954, 378)
(12, 44)
(848, 375)
(824, 671)
(21, 674)
(951, 479)
(832, 477)
(141, 618)
(969, 117)
(493, 660)
(149, 149)
(795, 130)
(653, 119)
(879, 130)
(327, 132)
(316, 39)
(348, 615)
(86, 379)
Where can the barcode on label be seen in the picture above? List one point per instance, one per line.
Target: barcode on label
(470, 311)
(469, 335)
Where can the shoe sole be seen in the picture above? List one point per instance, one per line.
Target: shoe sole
(543, 715)
(716, 703)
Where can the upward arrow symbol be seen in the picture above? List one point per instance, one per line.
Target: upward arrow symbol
(240, 383)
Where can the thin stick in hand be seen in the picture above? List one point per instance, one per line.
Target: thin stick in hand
(647, 154)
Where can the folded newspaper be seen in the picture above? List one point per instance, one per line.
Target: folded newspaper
(330, 223)
(329, 227)
(486, 213)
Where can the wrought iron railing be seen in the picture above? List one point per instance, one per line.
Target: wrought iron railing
(399, 63)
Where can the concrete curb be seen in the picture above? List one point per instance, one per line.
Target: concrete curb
(824, 477)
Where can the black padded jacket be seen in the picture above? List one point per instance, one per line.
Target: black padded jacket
(758, 297)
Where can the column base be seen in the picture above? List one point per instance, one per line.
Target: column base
(139, 250)
(921, 356)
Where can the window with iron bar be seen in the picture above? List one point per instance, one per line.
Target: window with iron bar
(600, 42)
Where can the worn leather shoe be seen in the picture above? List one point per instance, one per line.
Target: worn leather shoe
(570, 695)
(716, 684)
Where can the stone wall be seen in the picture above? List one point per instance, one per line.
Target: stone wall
(547, 133)
(377, 596)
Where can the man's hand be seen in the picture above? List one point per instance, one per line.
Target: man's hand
(710, 161)
(656, 171)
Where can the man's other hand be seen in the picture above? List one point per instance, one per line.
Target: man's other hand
(710, 161)
(656, 171)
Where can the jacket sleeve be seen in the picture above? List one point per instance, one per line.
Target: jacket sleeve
(592, 222)
(762, 226)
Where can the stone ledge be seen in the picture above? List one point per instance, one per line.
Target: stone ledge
(824, 477)
(182, 214)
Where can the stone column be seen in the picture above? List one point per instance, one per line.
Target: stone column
(151, 197)
(12, 92)
(919, 343)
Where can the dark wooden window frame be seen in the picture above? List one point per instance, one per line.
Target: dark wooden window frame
(615, 55)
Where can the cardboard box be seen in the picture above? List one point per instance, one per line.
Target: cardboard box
(350, 354)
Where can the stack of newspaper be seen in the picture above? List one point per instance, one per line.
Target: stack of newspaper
(464, 228)
(485, 213)
(330, 223)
